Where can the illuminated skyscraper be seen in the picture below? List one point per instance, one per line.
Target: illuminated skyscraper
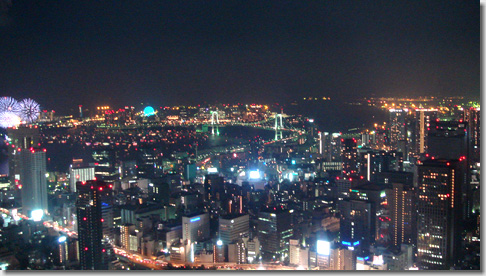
(80, 174)
(439, 213)
(403, 216)
(355, 225)
(274, 230)
(377, 197)
(449, 135)
(232, 228)
(397, 127)
(450, 140)
(196, 227)
(33, 180)
(21, 138)
(90, 224)
(342, 258)
(473, 117)
(349, 154)
(421, 119)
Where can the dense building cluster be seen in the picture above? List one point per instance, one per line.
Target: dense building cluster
(122, 189)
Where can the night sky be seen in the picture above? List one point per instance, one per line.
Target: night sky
(66, 53)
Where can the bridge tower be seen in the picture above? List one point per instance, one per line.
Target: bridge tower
(278, 126)
(214, 125)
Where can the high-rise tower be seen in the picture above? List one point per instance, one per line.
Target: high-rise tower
(89, 205)
(440, 201)
(32, 165)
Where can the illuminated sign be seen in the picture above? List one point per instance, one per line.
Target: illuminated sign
(323, 247)
(195, 219)
(213, 170)
(219, 243)
(346, 243)
(62, 239)
(355, 243)
(378, 260)
(382, 194)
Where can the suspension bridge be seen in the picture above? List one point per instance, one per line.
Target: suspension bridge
(279, 123)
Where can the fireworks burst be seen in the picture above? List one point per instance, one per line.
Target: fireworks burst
(9, 119)
(29, 110)
(9, 104)
(13, 113)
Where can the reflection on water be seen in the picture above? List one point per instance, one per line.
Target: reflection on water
(329, 116)
(333, 116)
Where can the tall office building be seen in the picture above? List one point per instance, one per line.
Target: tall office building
(90, 224)
(439, 213)
(233, 227)
(147, 161)
(324, 145)
(377, 197)
(159, 192)
(334, 149)
(449, 135)
(275, 229)
(473, 117)
(107, 213)
(341, 258)
(125, 231)
(21, 138)
(80, 174)
(349, 154)
(356, 223)
(397, 127)
(454, 137)
(33, 180)
(213, 187)
(423, 117)
(403, 215)
(237, 252)
(196, 227)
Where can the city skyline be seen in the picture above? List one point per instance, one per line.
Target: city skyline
(240, 135)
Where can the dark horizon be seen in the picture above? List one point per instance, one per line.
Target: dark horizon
(63, 54)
